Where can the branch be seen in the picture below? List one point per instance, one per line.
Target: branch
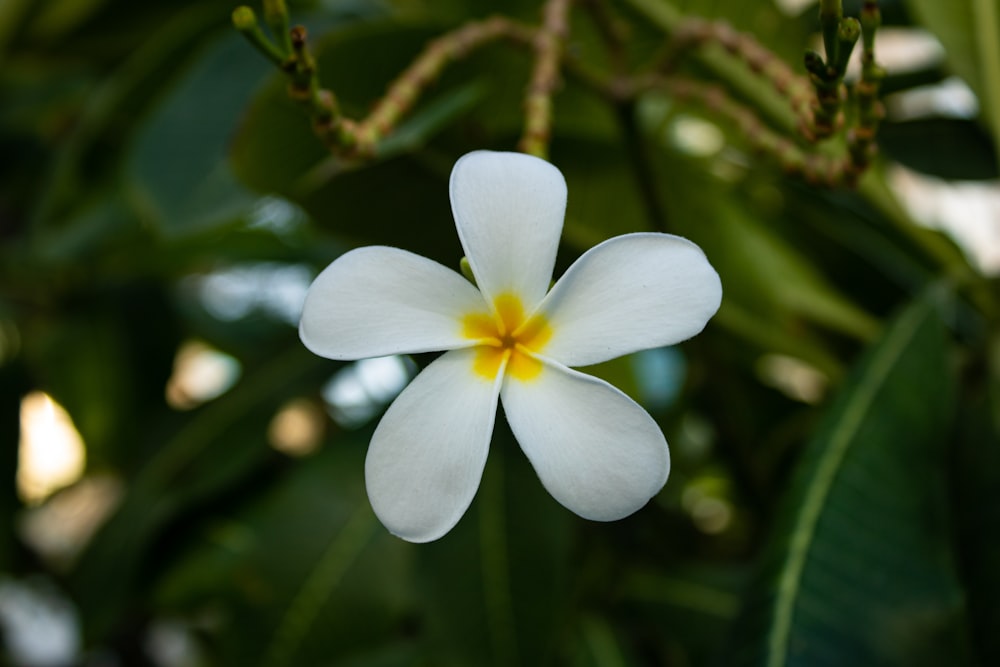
(815, 168)
(691, 33)
(403, 93)
(353, 138)
(548, 43)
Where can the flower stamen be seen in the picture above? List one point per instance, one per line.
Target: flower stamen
(505, 339)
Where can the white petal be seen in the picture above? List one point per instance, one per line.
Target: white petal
(376, 301)
(630, 293)
(596, 450)
(427, 455)
(509, 210)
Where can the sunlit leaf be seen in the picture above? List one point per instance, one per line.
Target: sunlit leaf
(969, 31)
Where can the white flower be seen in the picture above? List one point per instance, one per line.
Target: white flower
(596, 451)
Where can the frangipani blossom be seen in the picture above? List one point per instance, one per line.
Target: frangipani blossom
(510, 338)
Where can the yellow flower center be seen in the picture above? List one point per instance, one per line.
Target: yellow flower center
(505, 335)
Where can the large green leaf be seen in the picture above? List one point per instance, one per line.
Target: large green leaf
(178, 169)
(977, 509)
(860, 570)
(187, 465)
(301, 572)
(275, 150)
(771, 287)
(970, 33)
(495, 591)
(87, 157)
(945, 147)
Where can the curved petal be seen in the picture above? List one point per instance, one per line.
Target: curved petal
(509, 210)
(596, 450)
(630, 293)
(427, 455)
(377, 301)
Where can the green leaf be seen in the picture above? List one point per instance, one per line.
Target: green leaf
(62, 16)
(860, 570)
(435, 115)
(301, 573)
(211, 450)
(90, 155)
(696, 603)
(763, 274)
(495, 590)
(977, 511)
(178, 169)
(761, 266)
(948, 148)
(970, 33)
(276, 151)
(769, 286)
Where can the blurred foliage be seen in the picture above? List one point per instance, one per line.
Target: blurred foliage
(835, 495)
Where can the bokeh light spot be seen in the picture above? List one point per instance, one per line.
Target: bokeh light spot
(51, 453)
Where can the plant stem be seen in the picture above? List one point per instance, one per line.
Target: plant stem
(402, 93)
(830, 14)
(690, 33)
(245, 21)
(769, 103)
(538, 102)
(276, 17)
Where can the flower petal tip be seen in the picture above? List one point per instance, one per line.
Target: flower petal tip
(509, 210)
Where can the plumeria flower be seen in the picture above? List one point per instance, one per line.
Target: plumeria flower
(511, 339)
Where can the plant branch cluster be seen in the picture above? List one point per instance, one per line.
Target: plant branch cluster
(817, 100)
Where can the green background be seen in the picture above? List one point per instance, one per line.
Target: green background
(141, 144)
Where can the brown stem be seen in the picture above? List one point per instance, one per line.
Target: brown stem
(402, 93)
(815, 168)
(695, 32)
(544, 78)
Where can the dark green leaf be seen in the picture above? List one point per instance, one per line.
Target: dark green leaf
(178, 168)
(945, 147)
(302, 573)
(495, 589)
(977, 510)
(859, 571)
(212, 449)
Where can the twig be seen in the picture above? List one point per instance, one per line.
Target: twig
(695, 32)
(352, 138)
(861, 137)
(544, 78)
(402, 93)
(818, 169)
